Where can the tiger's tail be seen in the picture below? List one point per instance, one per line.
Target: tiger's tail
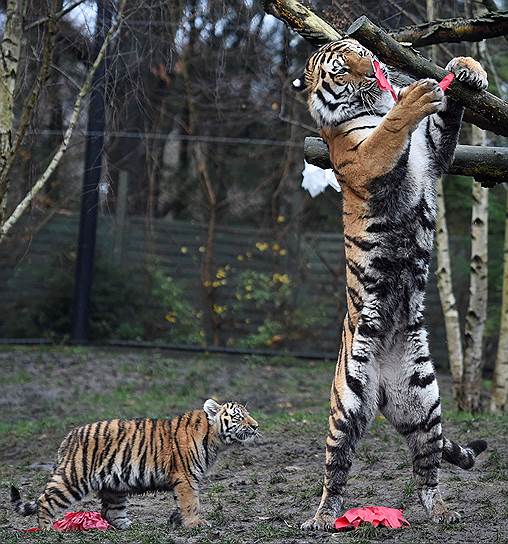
(20, 507)
(463, 457)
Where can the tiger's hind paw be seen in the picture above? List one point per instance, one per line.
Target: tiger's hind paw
(469, 71)
(441, 514)
(448, 516)
(320, 522)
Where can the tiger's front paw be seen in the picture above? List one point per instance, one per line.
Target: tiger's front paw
(469, 71)
(320, 522)
(422, 98)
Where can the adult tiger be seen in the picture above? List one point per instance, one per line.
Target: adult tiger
(387, 157)
(119, 457)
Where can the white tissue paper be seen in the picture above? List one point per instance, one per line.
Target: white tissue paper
(316, 180)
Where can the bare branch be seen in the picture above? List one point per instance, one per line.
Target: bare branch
(85, 89)
(57, 16)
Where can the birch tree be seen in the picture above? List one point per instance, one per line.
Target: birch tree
(9, 63)
(7, 159)
(500, 385)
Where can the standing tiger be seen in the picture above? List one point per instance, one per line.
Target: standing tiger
(387, 157)
(118, 458)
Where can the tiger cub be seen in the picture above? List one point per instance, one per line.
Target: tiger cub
(118, 458)
(387, 157)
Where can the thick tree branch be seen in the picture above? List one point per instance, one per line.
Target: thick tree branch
(302, 20)
(455, 30)
(485, 110)
(488, 165)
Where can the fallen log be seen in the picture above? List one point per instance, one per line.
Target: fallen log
(488, 165)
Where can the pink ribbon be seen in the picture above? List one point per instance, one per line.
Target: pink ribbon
(384, 84)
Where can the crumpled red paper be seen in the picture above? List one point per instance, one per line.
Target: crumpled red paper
(78, 521)
(384, 84)
(375, 515)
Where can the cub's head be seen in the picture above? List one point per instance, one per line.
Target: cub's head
(340, 81)
(232, 421)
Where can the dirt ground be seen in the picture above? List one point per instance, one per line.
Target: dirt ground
(256, 494)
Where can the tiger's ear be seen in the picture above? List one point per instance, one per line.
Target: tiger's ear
(299, 84)
(211, 409)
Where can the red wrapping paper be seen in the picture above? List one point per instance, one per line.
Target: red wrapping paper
(78, 521)
(375, 515)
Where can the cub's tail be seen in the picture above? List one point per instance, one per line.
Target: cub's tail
(20, 507)
(463, 457)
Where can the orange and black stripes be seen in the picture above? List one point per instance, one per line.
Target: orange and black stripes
(118, 458)
(386, 157)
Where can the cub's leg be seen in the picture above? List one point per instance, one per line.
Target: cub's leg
(410, 401)
(58, 495)
(353, 403)
(187, 502)
(114, 508)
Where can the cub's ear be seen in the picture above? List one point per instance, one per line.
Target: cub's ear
(299, 84)
(211, 409)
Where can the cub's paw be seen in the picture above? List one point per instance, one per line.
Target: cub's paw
(422, 98)
(122, 524)
(469, 71)
(320, 522)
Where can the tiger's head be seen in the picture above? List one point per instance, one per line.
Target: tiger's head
(340, 81)
(232, 421)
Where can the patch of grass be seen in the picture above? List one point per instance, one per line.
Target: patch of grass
(137, 534)
(497, 469)
(409, 489)
(277, 478)
(266, 531)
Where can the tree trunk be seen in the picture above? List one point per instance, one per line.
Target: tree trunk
(9, 56)
(444, 275)
(448, 303)
(477, 308)
(478, 287)
(500, 386)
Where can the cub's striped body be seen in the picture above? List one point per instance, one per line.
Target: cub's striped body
(118, 458)
(387, 158)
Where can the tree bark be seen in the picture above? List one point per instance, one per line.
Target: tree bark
(500, 386)
(446, 296)
(457, 30)
(9, 62)
(488, 165)
(302, 20)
